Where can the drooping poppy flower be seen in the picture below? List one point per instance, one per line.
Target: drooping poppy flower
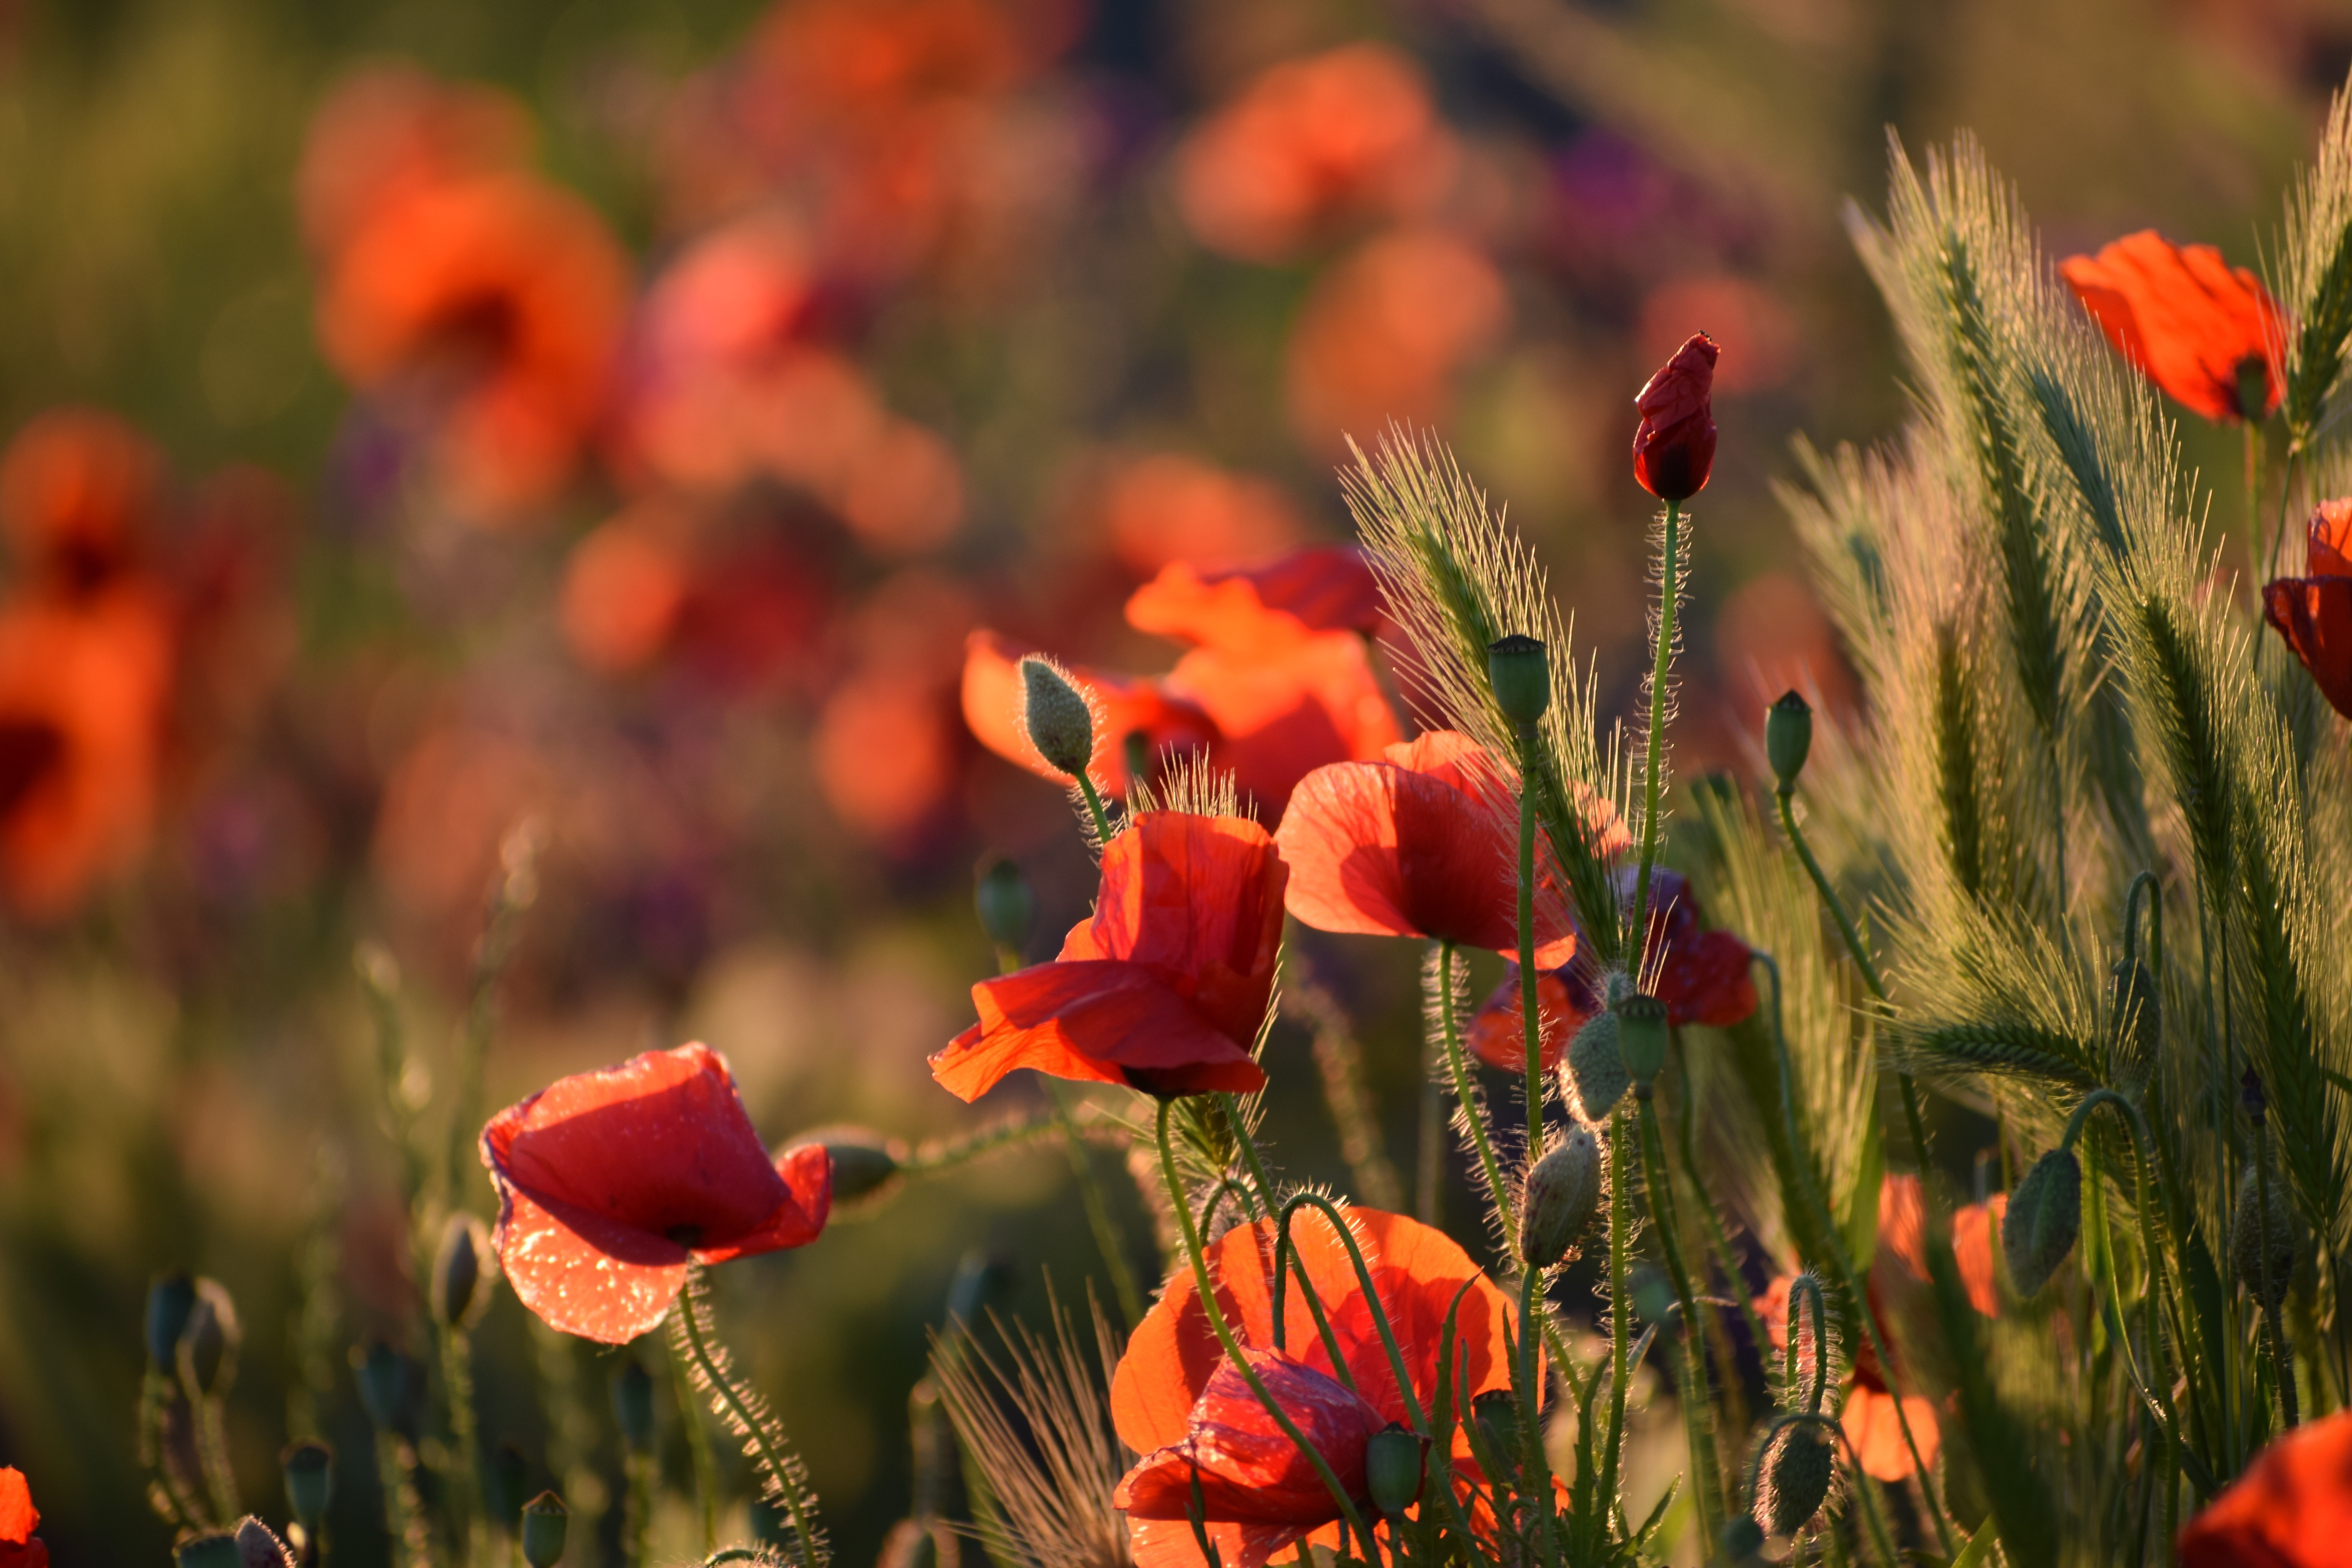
(1175, 1401)
(1164, 988)
(17, 1518)
(1674, 448)
(2193, 325)
(2291, 1508)
(1265, 608)
(2314, 612)
(77, 493)
(610, 1182)
(1123, 707)
(1423, 843)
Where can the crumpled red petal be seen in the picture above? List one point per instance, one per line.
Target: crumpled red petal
(2291, 1508)
(2183, 316)
(2314, 615)
(1092, 1021)
(1261, 609)
(1249, 1471)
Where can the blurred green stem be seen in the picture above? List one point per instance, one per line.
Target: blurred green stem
(1530, 1014)
(698, 1440)
(465, 1460)
(1620, 1221)
(1698, 1403)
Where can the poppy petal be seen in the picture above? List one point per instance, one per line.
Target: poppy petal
(584, 1275)
(17, 1514)
(1249, 1471)
(2291, 1508)
(2183, 316)
(807, 1173)
(1262, 609)
(1497, 1034)
(1285, 715)
(1169, 1543)
(1092, 1021)
(1876, 1431)
(2328, 540)
(1198, 900)
(2314, 615)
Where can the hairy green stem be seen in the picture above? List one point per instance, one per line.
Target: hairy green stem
(1464, 1092)
(1528, 1013)
(1698, 1403)
(1654, 741)
(1621, 1222)
(743, 1412)
(697, 1442)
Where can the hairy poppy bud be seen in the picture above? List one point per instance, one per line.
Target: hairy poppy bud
(310, 1471)
(2261, 1255)
(387, 1381)
(1055, 712)
(258, 1545)
(1596, 1066)
(2045, 1214)
(208, 1344)
(1742, 1539)
(1674, 447)
(2131, 991)
(463, 1270)
(1797, 1475)
(1392, 1468)
(632, 1405)
(864, 1161)
(1642, 1037)
(1006, 908)
(170, 1301)
(1521, 672)
(545, 1522)
(1558, 1199)
(217, 1550)
(1788, 737)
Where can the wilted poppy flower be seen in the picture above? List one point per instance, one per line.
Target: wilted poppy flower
(1385, 332)
(1261, 609)
(1423, 843)
(77, 495)
(1164, 989)
(1175, 1400)
(2291, 1508)
(2314, 612)
(1165, 507)
(1123, 707)
(1675, 447)
(2193, 325)
(17, 1518)
(610, 1182)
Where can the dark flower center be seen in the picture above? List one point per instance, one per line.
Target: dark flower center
(30, 749)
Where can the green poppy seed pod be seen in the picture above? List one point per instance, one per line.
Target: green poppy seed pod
(208, 1344)
(1556, 1201)
(216, 1550)
(1742, 1539)
(387, 1381)
(1055, 712)
(864, 1161)
(1642, 1037)
(464, 1269)
(1520, 669)
(545, 1522)
(170, 1301)
(1788, 737)
(2137, 1022)
(1497, 1415)
(2046, 1215)
(1596, 1066)
(310, 1472)
(1393, 1469)
(632, 1405)
(1007, 910)
(1797, 1476)
(259, 1546)
(2248, 1253)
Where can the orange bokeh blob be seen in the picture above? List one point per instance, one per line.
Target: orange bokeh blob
(1385, 332)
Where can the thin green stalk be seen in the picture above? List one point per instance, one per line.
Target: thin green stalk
(1094, 809)
(1668, 586)
(1108, 1240)
(1534, 1465)
(746, 1413)
(458, 1382)
(1698, 1403)
(2282, 1359)
(1465, 1091)
(698, 1443)
(1231, 1106)
(1528, 1013)
(1621, 1222)
(404, 1521)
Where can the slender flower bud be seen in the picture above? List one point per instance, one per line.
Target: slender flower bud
(1520, 669)
(1675, 448)
(1596, 1066)
(1788, 737)
(170, 1301)
(1556, 1201)
(464, 1269)
(1797, 1476)
(1497, 1415)
(545, 1522)
(1007, 912)
(2263, 1255)
(632, 1405)
(1393, 1462)
(1055, 712)
(310, 1471)
(864, 1161)
(258, 1545)
(208, 1344)
(1742, 1541)
(2045, 1214)
(387, 1381)
(1642, 1037)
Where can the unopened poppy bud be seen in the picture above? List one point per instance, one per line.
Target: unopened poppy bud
(310, 1472)
(1520, 669)
(208, 1344)
(1393, 1469)
(1558, 1199)
(1797, 1476)
(1674, 450)
(216, 1550)
(1788, 737)
(1596, 1066)
(463, 1272)
(632, 1405)
(1742, 1539)
(1642, 1037)
(259, 1546)
(1055, 712)
(864, 1163)
(2131, 991)
(2046, 1215)
(170, 1301)
(387, 1381)
(1496, 1416)
(2262, 1255)
(1006, 908)
(545, 1522)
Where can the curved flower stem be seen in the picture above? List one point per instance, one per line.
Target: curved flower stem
(1206, 1290)
(1528, 1014)
(1697, 1401)
(1108, 1239)
(745, 1412)
(1465, 1091)
(1231, 1106)
(1669, 585)
(1095, 811)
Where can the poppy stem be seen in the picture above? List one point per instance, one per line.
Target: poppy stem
(746, 1414)
(698, 1446)
(1697, 1401)
(1095, 810)
(1669, 585)
(1620, 1221)
(1465, 1092)
(1537, 1493)
(1108, 1241)
(2282, 1354)
(2260, 539)
(1205, 1289)
(1529, 1013)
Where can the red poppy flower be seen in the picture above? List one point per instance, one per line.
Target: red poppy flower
(1383, 334)
(1565, 998)
(2314, 612)
(78, 490)
(1265, 608)
(1123, 707)
(2292, 1509)
(1163, 989)
(1164, 507)
(1423, 843)
(2193, 324)
(1674, 447)
(1175, 1400)
(1280, 717)
(17, 1518)
(386, 129)
(610, 1182)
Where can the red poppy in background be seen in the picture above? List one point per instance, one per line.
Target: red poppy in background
(77, 494)
(2291, 1508)
(1164, 507)
(390, 129)
(1281, 715)
(1266, 608)
(1674, 448)
(1385, 332)
(1175, 1401)
(2192, 323)
(17, 1518)
(1164, 989)
(610, 1182)
(1423, 843)
(1565, 998)
(2314, 612)
(1123, 707)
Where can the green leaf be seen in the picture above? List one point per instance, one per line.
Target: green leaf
(1978, 1551)
(1859, 1217)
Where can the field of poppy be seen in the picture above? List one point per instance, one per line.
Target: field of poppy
(1108, 784)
